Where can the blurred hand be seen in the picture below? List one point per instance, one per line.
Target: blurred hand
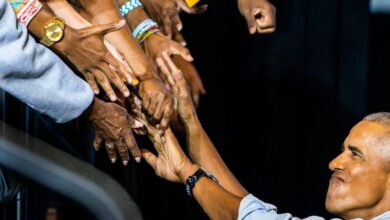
(156, 101)
(166, 13)
(259, 14)
(192, 78)
(157, 43)
(86, 50)
(113, 125)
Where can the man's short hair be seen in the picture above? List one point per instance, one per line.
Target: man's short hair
(382, 118)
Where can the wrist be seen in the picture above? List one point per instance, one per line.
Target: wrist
(67, 39)
(187, 171)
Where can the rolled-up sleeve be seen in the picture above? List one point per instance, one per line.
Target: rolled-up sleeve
(35, 75)
(252, 208)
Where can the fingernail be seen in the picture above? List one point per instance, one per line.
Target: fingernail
(134, 82)
(113, 98)
(113, 160)
(96, 91)
(126, 93)
(179, 27)
(190, 57)
(138, 159)
(125, 163)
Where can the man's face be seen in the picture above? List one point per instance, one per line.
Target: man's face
(359, 186)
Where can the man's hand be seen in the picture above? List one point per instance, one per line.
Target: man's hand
(259, 14)
(171, 163)
(156, 101)
(166, 13)
(86, 50)
(112, 125)
(192, 78)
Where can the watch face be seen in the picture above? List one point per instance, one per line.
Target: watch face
(54, 32)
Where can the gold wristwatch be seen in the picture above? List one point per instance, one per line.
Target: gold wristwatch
(54, 31)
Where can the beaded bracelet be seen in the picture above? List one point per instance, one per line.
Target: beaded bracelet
(147, 24)
(129, 6)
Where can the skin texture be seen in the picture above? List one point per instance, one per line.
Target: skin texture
(259, 14)
(360, 185)
(113, 125)
(85, 49)
(156, 98)
(172, 164)
(192, 78)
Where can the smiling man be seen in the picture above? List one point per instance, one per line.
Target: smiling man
(358, 189)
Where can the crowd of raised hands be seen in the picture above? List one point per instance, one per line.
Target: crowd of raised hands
(128, 52)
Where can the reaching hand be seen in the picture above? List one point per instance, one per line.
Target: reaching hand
(156, 101)
(259, 14)
(157, 43)
(171, 163)
(182, 96)
(166, 13)
(192, 78)
(86, 50)
(113, 126)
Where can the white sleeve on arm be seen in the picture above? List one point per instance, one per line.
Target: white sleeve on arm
(252, 208)
(35, 75)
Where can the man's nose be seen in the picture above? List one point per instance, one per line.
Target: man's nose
(337, 163)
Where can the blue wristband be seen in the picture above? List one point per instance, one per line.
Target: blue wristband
(142, 26)
(128, 6)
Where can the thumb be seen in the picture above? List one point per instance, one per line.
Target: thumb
(177, 49)
(250, 19)
(149, 157)
(102, 28)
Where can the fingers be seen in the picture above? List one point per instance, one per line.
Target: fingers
(250, 19)
(159, 109)
(150, 158)
(97, 142)
(123, 153)
(132, 145)
(175, 72)
(92, 82)
(167, 25)
(104, 83)
(111, 151)
(102, 29)
(177, 49)
(267, 22)
(115, 79)
(177, 22)
(118, 67)
(165, 71)
(168, 111)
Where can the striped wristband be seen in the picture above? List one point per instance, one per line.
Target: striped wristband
(129, 6)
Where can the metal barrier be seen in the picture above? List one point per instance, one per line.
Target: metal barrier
(65, 174)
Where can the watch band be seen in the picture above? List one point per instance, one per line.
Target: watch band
(191, 180)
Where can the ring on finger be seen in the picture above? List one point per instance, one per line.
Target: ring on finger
(110, 146)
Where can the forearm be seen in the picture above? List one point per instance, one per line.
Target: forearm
(106, 12)
(203, 152)
(135, 16)
(64, 10)
(217, 202)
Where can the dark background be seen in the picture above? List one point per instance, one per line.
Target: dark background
(277, 106)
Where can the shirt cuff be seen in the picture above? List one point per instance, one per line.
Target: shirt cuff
(250, 204)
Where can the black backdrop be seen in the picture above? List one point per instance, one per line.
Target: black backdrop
(277, 106)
